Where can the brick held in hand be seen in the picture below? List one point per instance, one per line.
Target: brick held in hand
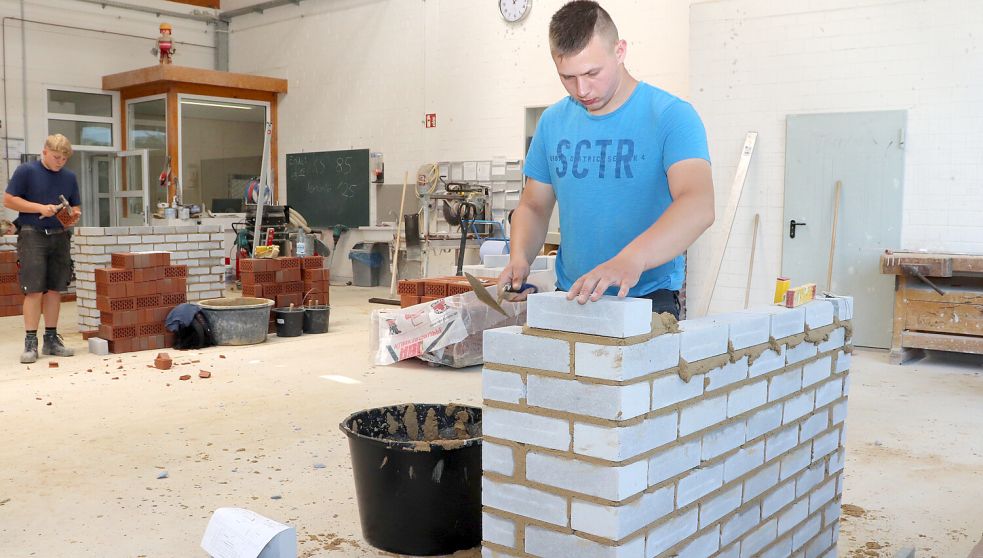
(67, 218)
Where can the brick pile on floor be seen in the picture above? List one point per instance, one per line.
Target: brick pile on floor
(608, 433)
(418, 291)
(134, 297)
(285, 280)
(11, 296)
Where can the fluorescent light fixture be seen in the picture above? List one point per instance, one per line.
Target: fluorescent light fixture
(206, 104)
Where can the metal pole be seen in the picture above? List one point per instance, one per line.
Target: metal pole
(264, 178)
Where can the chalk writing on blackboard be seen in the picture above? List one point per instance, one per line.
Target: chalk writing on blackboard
(330, 187)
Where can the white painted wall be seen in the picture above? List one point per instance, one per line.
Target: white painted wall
(362, 73)
(60, 56)
(755, 61)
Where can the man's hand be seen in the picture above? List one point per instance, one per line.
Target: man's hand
(514, 274)
(47, 210)
(623, 269)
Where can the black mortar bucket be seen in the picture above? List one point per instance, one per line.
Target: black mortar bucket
(316, 319)
(289, 321)
(417, 474)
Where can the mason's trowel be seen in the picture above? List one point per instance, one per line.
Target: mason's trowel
(484, 295)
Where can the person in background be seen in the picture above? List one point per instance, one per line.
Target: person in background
(44, 241)
(626, 162)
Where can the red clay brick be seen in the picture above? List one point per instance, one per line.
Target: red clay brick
(258, 277)
(253, 290)
(176, 271)
(114, 332)
(122, 318)
(173, 299)
(111, 275)
(410, 287)
(121, 346)
(288, 275)
(8, 267)
(148, 301)
(155, 273)
(292, 287)
(286, 299)
(312, 262)
(289, 263)
(408, 300)
(319, 274)
(106, 304)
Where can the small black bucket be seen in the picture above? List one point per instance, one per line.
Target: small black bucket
(417, 474)
(289, 321)
(316, 319)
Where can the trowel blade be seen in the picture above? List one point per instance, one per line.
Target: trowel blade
(484, 295)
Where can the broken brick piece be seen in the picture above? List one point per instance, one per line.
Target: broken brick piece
(163, 361)
(204, 374)
(52, 365)
(185, 377)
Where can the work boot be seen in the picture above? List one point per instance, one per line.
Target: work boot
(30, 354)
(54, 346)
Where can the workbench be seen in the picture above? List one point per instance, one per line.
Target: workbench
(924, 317)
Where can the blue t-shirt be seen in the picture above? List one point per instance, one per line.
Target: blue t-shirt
(34, 183)
(608, 173)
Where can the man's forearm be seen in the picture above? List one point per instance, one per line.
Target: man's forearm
(528, 232)
(682, 223)
(20, 204)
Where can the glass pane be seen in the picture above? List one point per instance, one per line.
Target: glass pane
(222, 146)
(103, 212)
(102, 175)
(146, 128)
(133, 174)
(82, 104)
(96, 134)
(130, 211)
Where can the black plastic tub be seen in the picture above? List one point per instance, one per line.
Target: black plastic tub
(316, 319)
(289, 321)
(417, 474)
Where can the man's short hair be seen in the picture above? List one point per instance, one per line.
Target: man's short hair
(59, 143)
(573, 26)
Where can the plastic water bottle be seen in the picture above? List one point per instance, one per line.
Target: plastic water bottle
(301, 248)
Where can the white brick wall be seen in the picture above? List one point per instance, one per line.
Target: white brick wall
(630, 460)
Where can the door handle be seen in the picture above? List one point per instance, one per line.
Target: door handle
(791, 227)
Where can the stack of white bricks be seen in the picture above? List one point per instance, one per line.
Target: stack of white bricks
(197, 246)
(595, 446)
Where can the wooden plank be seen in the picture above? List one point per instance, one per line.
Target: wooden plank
(942, 317)
(936, 265)
(958, 290)
(899, 312)
(943, 342)
(172, 73)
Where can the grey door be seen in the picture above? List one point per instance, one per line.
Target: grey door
(864, 151)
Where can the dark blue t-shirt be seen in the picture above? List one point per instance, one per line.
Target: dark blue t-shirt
(34, 183)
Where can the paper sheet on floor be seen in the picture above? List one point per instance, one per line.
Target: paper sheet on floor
(240, 533)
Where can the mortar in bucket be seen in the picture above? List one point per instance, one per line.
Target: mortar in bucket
(289, 321)
(237, 321)
(316, 318)
(417, 471)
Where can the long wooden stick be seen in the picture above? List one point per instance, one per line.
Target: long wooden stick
(750, 265)
(399, 230)
(832, 242)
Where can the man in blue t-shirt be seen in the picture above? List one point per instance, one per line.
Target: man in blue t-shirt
(626, 162)
(44, 241)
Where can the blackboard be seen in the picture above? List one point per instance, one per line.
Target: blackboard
(330, 187)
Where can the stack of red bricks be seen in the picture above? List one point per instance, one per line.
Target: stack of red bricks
(134, 297)
(417, 291)
(316, 281)
(286, 280)
(11, 296)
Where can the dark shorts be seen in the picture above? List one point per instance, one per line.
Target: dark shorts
(45, 260)
(663, 300)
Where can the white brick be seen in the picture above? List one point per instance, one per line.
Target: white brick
(92, 250)
(702, 414)
(813, 425)
(165, 247)
(781, 549)
(730, 373)
(546, 432)
(602, 401)
(98, 346)
(617, 522)
(764, 421)
(781, 441)
(496, 458)
(620, 443)
(798, 406)
(670, 389)
(204, 237)
(502, 386)
(90, 231)
(831, 513)
(739, 523)
(111, 240)
(210, 228)
(507, 345)
(673, 461)
(712, 509)
(825, 444)
(609, 316)
(723, 439)
(839, 411)
(524, 501)
(816, 371)
(698, 483)
(628, 362)
(800, 352)
(159, 229)
(176, 238)
(744, 460)
(784, 321)
(816, 548)
(822, 495)
(151, 238)
(837, 338)
(786, 383)
(806, 531)
(836, 460)
(701, 338)
(794, 515)
(842, 307)
(546, 543)
(611, 483)
(758, 539)
(795, 461)
(702, 546)
(809, 479)
(497, 530)
(819, 313)
(846, 385)
(843, 361)
(745, 330)
(747, 397)
(669, 534)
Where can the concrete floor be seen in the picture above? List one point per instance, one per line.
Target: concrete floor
(85, 442)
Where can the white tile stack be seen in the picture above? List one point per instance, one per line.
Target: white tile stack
(594, 446)
(197, 246)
